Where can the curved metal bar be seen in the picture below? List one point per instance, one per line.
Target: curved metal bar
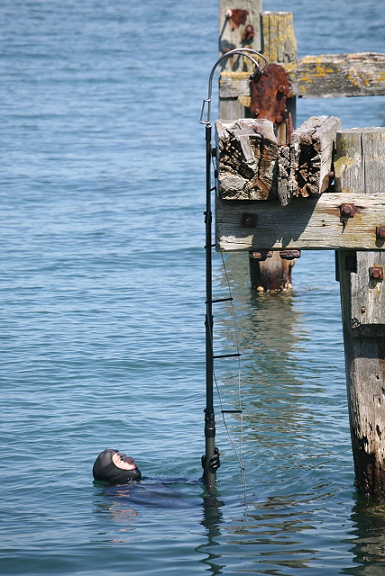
(246, 52)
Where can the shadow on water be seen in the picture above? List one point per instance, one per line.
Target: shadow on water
(367, 539)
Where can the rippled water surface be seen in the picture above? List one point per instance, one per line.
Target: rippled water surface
(102, 299)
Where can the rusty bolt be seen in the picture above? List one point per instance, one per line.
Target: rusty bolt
(348, 210)
(363, 310)
(290, 254)
(280, 118)
(249, 221)
(261, 255)
(376, 272)
(248, 33)
(380, 232)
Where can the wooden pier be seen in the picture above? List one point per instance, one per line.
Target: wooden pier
(318, 187)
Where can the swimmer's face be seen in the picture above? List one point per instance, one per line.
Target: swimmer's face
(123, 462)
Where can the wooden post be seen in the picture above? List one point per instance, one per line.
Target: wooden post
(279, 45)
(233, 34)
(360, 168)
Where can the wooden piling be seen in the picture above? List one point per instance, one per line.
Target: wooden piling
(360, 169)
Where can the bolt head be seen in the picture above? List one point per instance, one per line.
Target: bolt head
(290, 254)
(380, 232)
(261, 255)
(376, 272)
(348, 210)
(249, 221)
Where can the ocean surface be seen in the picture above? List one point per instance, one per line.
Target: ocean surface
(102, 312)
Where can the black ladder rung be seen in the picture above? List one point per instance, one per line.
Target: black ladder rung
(227, 355)
(221, 300)
(232, 411)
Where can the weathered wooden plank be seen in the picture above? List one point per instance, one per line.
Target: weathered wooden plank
(334, 75)
(278, 39)
(307, 223)
(247, 160)
(323, 76)
(360, 152)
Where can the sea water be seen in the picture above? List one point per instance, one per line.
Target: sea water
(102, 299)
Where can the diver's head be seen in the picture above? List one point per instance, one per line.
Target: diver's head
(114, 467)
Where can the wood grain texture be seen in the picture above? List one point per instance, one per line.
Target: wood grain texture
(247, 153)
(278, 39)
(365, 379)
(307, 223)
(359, 162)
(304, 167)
(360, 168)
(230, 37)
(323, 76)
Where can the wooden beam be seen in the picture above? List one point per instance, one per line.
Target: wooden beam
(251, 165)
(324, 76)
(307, 223)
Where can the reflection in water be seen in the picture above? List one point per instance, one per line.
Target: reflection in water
(368, 539)
(270, 336)
(212, 518)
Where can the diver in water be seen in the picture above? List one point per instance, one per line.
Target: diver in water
(116, 468)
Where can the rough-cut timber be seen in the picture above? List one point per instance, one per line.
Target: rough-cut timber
(323, 76)
(247, 158)
(307, 223)
(360, 164)
(252, 167)
(304, 167)
(278, 40)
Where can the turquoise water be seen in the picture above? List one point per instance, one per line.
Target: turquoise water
(102, 299)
